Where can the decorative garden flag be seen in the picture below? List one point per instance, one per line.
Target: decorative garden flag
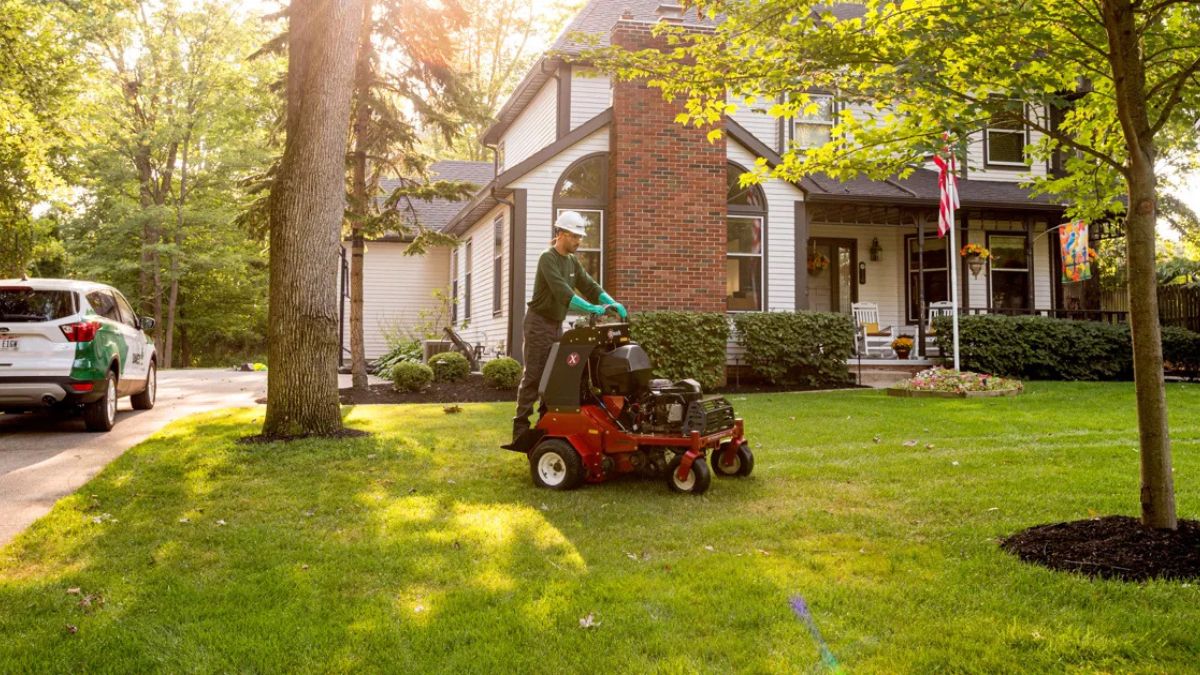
(1073, 243)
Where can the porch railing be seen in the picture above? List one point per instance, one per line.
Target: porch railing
(1101, 315)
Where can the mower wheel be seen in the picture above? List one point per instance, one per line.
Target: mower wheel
(742, 465)
(698, 478)
(556, 465)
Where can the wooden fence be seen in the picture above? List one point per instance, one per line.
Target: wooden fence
(1177, 305)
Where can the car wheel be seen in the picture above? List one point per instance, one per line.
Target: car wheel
(555, 464)
(102, 415)
(144, 399)
(742, 464)
(697, 481)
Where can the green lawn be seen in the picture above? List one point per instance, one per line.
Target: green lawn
(425, 548)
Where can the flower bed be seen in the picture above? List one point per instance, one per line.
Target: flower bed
(946, 383)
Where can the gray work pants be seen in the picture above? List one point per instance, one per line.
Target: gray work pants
(540, 334)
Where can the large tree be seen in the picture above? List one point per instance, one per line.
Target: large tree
(305, 210)
(1112, 85)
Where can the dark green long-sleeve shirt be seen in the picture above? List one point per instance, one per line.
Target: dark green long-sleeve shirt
(558, 277)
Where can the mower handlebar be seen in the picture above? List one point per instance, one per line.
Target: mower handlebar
(592, 318)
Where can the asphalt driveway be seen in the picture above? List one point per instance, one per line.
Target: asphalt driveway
(43, 459)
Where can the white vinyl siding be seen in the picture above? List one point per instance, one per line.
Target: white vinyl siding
(754, 118)
(534, 128)
(591, 94)
(396, 290)
(485, 326)
(539, 185)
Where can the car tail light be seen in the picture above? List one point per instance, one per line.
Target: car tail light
(81, 387)
(80, 331)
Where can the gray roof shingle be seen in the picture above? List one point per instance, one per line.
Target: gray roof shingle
(435, 214)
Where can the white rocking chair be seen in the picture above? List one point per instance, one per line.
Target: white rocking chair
(936, 309)
(866, 326)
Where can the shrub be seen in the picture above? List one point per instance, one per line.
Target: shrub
(1040, 348)
(684, 344)
(809, 348)
(502, 373)
(1181, 351)
(450, 367)
(409, 376)
(405, 350)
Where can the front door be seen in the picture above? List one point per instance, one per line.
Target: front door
(832, 284)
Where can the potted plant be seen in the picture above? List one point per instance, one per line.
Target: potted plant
(902, 345)
(817, 262)
(975, 255)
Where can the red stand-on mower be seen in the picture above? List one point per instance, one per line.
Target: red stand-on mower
(602, 415)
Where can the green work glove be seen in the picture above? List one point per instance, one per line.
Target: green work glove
(585, 306)
(606, 299)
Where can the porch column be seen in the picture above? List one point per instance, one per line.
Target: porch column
(516, 276)
(920, 286)
(801, 248)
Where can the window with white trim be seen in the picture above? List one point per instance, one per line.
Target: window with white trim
(813, 125)
(583, 188)
(1005, 138)
(744, 237)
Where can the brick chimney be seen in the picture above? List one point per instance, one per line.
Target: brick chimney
(666, 237)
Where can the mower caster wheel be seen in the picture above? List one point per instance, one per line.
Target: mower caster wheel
(742, 464)
(555, 464)
(698, 479)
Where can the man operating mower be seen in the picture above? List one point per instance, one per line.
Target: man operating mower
(561, 284)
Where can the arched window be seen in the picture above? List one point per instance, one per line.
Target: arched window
(584, 188)
(744, 255)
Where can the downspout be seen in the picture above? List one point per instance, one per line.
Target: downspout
(512, 234)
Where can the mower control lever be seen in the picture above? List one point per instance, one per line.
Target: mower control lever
(607, 308)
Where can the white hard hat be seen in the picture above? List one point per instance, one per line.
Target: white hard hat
(572, 222)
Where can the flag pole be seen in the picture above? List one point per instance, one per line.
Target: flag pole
(954, 278)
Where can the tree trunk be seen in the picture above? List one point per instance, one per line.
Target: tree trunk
(305, 211)
(360, 206)
(172, 300)
(1129, 78)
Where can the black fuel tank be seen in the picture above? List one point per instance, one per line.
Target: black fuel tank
(624, 370)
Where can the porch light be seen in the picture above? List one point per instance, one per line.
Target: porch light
(876, 249)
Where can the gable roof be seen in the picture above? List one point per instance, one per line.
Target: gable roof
(436, 214)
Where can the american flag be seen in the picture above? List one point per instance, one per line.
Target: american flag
(948, 190)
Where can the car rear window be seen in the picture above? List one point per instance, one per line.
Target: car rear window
(19, 304)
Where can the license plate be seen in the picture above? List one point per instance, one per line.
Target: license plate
(8, 344)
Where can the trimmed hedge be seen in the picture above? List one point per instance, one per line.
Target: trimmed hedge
(449, 367)
(1042, 348)
(807, 348)
(502, 373)
(409, 376)
(684, 344)
(1181, 351)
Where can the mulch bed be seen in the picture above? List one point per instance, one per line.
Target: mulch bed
(1113, 547)
(474, 390)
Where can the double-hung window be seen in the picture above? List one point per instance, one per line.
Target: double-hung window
(497, 264)
(470, 265)
(813, 125)
(1005, 140)
(744, 238)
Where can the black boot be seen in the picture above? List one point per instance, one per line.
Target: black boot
(520, 426)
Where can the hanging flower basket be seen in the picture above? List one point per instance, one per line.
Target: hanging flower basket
(975, 255)
(817, 262)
